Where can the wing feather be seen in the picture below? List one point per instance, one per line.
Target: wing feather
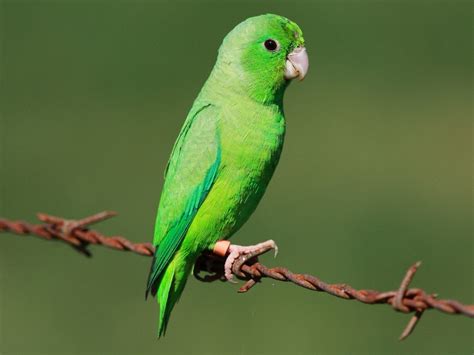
(192, 170)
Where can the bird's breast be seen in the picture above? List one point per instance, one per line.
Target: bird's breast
(250, 153)
(252, 146)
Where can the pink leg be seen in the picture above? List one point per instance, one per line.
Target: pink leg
(244, 253)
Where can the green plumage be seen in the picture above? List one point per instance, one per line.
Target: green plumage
(225, 154)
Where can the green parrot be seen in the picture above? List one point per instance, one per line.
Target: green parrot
(226, 153)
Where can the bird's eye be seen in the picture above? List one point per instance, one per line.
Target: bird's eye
(271, 45)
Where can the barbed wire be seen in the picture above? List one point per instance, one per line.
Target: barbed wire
(78, 234)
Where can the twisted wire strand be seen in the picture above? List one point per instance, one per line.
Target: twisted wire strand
(75, 233)
(78, 234)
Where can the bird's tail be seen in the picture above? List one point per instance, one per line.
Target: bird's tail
(170, 287)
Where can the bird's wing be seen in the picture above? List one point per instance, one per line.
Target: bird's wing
(190, 174)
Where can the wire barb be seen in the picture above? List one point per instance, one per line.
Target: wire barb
(77, 234)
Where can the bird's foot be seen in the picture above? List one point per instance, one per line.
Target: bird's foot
(237, 255)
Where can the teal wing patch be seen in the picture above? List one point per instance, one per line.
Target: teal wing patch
(190, 174)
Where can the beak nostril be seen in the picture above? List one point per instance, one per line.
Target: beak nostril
(296, 50)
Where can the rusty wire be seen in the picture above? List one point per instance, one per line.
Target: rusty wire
(78, 234)
(75, 233)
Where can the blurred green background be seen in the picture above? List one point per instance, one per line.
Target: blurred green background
(376, 174)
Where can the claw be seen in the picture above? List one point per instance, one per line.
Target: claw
(238, 255)
(228, 266)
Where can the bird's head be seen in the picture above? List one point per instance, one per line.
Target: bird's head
(262, 54)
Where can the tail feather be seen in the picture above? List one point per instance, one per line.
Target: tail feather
(170, 287)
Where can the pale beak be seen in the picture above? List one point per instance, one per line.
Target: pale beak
(297, 64)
